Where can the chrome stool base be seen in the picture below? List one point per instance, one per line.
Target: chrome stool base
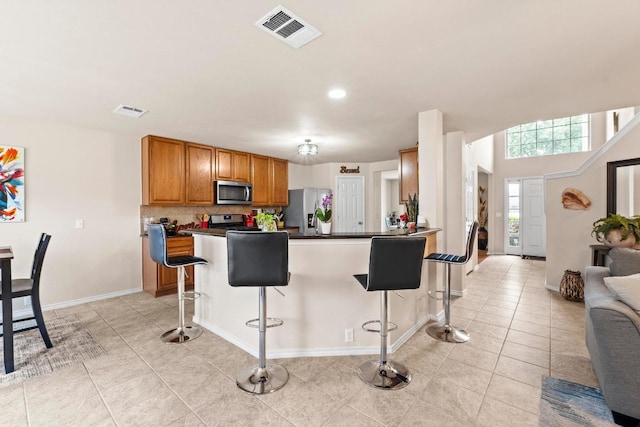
(256, 380)
(180, 335)
(447, 333)
(388, 375)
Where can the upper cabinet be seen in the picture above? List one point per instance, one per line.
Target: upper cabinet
(280, 182)
(270, 178)
(163, 171)
(176, 172)
(408, 173)
(232, 165)
(199, 174)
(180, 173)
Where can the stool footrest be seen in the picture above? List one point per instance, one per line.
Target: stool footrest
(191, 295)
(271, 323)
(391, 326)
(431, 295)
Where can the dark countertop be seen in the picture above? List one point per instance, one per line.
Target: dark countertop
(292, 235)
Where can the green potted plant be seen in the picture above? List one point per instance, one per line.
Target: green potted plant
(617, 230)
(411, 206)
(266, 222)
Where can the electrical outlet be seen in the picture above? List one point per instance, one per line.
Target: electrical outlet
(348, 335)
(79, 223)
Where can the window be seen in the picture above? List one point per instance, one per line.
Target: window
(545, 137)
(513, 214)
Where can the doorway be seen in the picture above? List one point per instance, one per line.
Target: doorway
(389, 198)
(525, 232)
(483, 215)
(350, 195)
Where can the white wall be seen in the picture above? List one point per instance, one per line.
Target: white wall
(532, 167)
(73, 173)
(569, 231)
(324, 175)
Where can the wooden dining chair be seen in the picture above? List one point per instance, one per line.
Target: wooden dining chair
(31, 287)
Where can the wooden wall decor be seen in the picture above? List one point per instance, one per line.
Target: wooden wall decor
(343, 169)
(574, 199)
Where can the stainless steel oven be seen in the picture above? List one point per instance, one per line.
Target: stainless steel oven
(233, 193)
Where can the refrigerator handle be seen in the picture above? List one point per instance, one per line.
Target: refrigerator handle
(314, 220)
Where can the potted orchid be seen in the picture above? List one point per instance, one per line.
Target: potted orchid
(323, 213)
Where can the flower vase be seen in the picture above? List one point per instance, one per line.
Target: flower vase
(412, 226)
(270, 226)
(325, 227)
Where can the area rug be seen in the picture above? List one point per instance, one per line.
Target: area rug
(72, 343)
(564, 403)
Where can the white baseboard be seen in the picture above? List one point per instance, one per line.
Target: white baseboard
(313, 352)
(552, 287)
(94, 298)
(28, 311)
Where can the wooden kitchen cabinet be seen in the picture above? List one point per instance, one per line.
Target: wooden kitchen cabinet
(199, 174)
(232, 165)
(408, 173)
(270, 181)
(159, 280)
(176, 172)
(280, 183)
(260, 178)
(163, 171)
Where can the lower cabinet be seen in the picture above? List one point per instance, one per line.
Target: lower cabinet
(159, 280)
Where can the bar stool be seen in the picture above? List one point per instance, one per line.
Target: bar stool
(447, 332)
(259, 259)
(394, 264)
(158, 251)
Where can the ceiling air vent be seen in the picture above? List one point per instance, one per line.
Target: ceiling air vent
(126, 110)
(289, 28)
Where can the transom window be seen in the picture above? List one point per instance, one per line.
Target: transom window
(545, 137)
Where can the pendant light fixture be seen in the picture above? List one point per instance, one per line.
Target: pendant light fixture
(307, 149)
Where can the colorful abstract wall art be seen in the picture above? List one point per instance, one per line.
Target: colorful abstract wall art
(11, 184)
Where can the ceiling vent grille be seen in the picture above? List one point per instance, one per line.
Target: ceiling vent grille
(289, 28)
(129, 111)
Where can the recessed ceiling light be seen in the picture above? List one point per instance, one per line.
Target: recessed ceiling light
(337, 93)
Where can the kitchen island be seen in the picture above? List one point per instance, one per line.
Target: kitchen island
(323, 303)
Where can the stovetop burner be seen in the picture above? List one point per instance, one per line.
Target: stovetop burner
(233, 222)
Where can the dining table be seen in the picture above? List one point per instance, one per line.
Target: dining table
(6, 255)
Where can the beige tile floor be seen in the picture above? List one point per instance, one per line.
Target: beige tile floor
(519, 332)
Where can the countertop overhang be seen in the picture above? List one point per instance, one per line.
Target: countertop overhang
(293, 235)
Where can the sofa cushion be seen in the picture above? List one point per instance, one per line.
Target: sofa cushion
(624, 261)
(627, 289)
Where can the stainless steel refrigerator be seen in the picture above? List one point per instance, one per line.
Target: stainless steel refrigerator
(301, 211)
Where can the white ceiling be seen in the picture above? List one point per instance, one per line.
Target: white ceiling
(207, 74)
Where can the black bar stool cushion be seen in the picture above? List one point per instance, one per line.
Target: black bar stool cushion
(394, 263)
(257, 258)
(158, 250)
(458, 259)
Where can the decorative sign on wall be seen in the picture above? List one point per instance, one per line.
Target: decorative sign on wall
(343, 169)
(11, 184)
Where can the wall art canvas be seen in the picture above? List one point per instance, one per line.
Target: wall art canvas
(11, 184)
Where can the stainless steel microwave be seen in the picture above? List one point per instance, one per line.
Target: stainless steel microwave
(233, 193)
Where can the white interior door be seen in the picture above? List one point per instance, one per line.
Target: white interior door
(350, 194)
(533, 218)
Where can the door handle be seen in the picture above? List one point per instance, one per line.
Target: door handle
(359, 222)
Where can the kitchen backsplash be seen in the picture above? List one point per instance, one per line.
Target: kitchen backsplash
(187, 214)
